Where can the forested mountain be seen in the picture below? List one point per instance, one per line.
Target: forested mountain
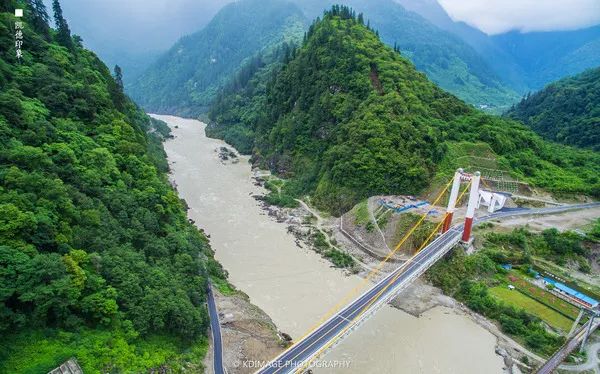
(567, 111)
(97, 257)
(548, 56)
(524, 60)
(443, 57)
(348, 117)
(241, 102)
(186, 78)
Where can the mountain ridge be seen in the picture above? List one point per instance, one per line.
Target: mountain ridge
(349, 117)
(566, 111)
(185, 79)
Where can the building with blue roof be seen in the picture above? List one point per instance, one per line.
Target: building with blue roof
(572, 294)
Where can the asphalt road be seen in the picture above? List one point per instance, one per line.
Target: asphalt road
(215, 327)
(296, 356)
(341, 323)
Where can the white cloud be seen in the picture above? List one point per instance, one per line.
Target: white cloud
(497, 16)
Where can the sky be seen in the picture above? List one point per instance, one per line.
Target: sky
(498, 16)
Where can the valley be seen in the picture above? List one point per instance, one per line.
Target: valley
(257, 248)
(295, 286)
(324, 188)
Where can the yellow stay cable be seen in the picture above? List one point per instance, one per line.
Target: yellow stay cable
(376, 297)
(374, 271)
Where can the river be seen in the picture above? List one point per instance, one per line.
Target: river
(296, 287)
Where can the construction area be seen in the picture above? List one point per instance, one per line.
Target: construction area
(376, 225)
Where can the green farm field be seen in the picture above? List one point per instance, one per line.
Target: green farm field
(519, 300)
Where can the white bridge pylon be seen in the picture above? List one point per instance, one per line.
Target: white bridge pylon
(474, 201)
(458, 176)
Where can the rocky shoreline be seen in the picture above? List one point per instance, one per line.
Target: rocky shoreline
(249, 335)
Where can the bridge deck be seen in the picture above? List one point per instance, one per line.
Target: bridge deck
(342, 323)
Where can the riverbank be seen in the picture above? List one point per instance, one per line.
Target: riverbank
(296, 286)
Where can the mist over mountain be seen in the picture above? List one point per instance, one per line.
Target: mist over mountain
(186, 78)
(548, 56)
(524, 60)
(134, 33)
(120, 32)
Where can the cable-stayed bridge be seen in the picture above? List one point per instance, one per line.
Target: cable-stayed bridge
(349, 317)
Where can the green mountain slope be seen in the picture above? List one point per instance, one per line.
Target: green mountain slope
(524, 60)
(446, 59)
(240, 104)
(567, 111)
(544, 57)
(348, 117)
(186, 78)
(97, 257)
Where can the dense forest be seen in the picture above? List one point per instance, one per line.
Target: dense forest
(348, 117)
(447, 60)
(567, 111)
(544, 57)
(186, 78)
(240, 103)
(97, 257)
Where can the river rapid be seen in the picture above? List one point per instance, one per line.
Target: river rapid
(296, 287)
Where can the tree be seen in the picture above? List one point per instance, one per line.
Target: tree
(63, 36)
(119, 77)
(78, 40)
(39, 17)
(116, 88)
(361, 19)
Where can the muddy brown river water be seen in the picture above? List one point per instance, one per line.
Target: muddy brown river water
(296, 287)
